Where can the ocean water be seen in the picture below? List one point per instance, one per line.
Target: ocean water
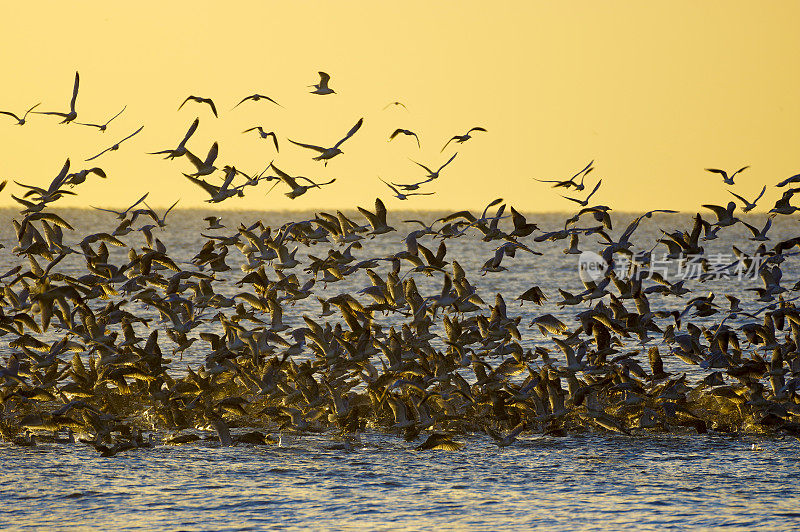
(585, 480)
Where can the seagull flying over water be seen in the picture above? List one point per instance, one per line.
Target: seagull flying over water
(431, 174)
(584, 203)
(116, 146)
(181, 149)
(725, 179)
(749, 206)
(399, 195)
(329, 153)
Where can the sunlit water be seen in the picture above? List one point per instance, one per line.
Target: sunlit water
(580, 482)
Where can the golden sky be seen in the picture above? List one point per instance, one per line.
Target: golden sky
(654, 92)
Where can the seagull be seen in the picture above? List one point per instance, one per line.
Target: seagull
(255, 98)
(725, 179)
(401, 196)
(431, 174)
(748, 206)
(200, 100)
(79, 177)
(72, 115)
(328, 153)
(218, 193)
(322, 86)
(571, 181)
(400, 104)
(404, 132)
(584, 203)
(181, 149)
(102, 127)
(297, 190)
(463, 138)
(20, 121)
(204, 167)
(122, 214)
(116, 146)
(264, 134)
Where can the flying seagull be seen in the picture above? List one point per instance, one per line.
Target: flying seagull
(326, 154)
(255, 98)
(749, 206)
(725, 179)
(116, 146)
(201, 100)
(404, 132)
(264, 134)
(181, 149)
(322, 86)
(463, 138)
(72, 115)
(401, 196)
(102, 127)
(584, 203)
(20, 121)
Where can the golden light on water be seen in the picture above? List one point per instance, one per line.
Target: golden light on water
(654, 92)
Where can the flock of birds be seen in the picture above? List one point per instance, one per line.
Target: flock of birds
(429, 366)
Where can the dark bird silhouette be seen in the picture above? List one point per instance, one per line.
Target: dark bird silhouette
(322, 86)
(463, 138)
(584, 203)
(20, 121)
(255, 98)
(264, 134)
(115, 147)
(181, 149)
(404, 132)
(102, 127)
(725, 178)
(325, 154)
(72, 114)
(199, 99)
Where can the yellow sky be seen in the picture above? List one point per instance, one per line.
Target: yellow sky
(654, 92)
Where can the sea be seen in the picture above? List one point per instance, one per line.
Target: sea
(592, 480)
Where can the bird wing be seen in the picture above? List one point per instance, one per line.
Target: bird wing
(31, 109)
(428, 169)
(309, 146)
(208, 187)
(191, 131)
(593, 190)
(324, 78)
(274, 139)
(448, 162)
(74, 93)
(744, 201)
(350, 133)
(212, 154)
(723, 173)
(213, 107)
(475, 129)
(116, 115)
(448, 142)
(99, 154)
(390, 186)
(9, 113)
(132, 134)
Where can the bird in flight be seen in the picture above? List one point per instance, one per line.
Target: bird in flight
(20, 121)
(396, 104)
(181, 149)
(401, 196)
(297, 189)
(584, 203)
(263, 134)
(222, 192)
(431, 174)
(198, 99)
(102, 127)
(122, 214)
(749, 206)
(322, 86)
(404, 132)
(204, 167)
(725, 179)
(116, 146)
(463, 138)
(325, 154)
(571, 181)
(255, 98)
(72, 114)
